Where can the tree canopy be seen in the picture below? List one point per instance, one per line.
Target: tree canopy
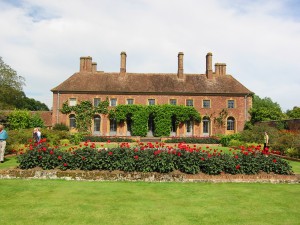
(294, 113)
(264, 109)
(11, 91)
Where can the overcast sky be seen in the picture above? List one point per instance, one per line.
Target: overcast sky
(259, 40)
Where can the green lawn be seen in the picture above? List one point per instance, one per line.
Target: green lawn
(72, 202)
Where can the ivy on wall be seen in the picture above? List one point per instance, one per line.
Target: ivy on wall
(138, 115)
(162, 116)
(85, 112)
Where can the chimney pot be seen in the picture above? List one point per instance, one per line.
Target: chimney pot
(209, 72)
(180, 73)
(86, 64)
(123, 64)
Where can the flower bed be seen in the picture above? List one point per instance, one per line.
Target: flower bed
(153, 158)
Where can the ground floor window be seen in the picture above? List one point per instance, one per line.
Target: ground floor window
(72, 121)
(230, 123)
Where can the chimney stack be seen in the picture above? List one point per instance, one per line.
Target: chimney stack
(86, 64)
(123, 64)
(94, 67)
(220, 69)
(180, 65)
(209, 72)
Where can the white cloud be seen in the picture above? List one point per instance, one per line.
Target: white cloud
(258, 40)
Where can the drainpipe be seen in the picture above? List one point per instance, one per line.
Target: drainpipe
(57, 110)
(246, 111)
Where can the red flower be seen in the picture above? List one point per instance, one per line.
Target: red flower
(40, 157)
(179, 154)
(238, 167)
(65, 164)
(136, 157)
(110, 153)
(83, 158)
(108, 141)
(236, 156)
(59, 157)
(202, 159)
(51, 152)
(274, 161)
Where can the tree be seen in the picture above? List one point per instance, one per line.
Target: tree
(294, 113)
(264, 110)
(11, 91)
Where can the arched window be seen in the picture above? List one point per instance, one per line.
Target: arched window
(72, 121)
(230, 123)
(206, 126)
(113, 126)
(97, 121)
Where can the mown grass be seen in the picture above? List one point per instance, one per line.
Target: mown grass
(72, 202)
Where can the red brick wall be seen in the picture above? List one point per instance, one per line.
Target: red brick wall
(218, 103)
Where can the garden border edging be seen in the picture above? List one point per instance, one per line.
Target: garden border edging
(146, 177)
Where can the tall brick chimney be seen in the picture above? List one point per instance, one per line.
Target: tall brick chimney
(86, 64)
(123, 64)
(220, 69)
(209, 72)
(180, 73)
(94, 67)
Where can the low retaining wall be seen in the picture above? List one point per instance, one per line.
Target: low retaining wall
(147, 177)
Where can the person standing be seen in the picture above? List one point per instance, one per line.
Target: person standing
(266, 140)
(3, 137)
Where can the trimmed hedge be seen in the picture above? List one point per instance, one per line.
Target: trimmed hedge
(194, 140)
(150, 158)
(105, 139)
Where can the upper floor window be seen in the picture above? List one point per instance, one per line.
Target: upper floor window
(113, 102)
(151, 101)
(230, 104)
(97, 101)
(206, 103)
(189, 102)
(72, 101)
(129, 101)
(173, 102)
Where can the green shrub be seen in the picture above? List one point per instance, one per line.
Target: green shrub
(60, 126)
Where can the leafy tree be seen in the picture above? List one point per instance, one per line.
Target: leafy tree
(264, 109)
(11, 91)
(294, 113)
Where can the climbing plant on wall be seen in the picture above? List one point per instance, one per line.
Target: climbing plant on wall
(162, 114)
(85, 112)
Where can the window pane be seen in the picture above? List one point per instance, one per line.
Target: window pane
(230, 123)
(72, 101)
(97, 101)
(206, 103)
(113, 102)
(113, 125)
(151, 101)
(129, 101)
(230, 104)
(189, 102)
(173, 101)
(72, 121)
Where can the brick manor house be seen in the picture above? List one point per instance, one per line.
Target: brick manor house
(221, 100)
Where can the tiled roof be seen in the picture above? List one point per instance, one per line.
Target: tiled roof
(154, 83)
